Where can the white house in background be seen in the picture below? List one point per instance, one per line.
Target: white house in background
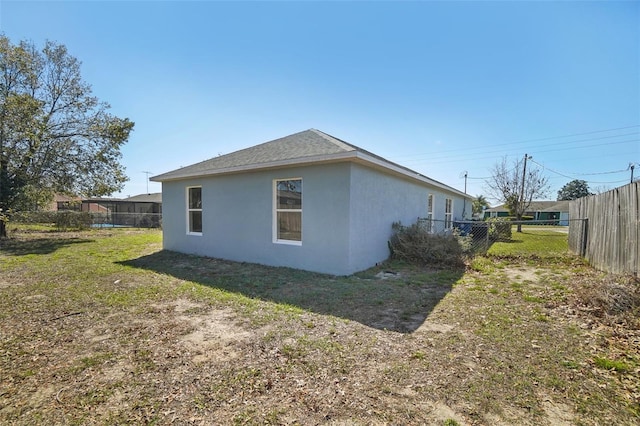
(553, 211)
(307, 201)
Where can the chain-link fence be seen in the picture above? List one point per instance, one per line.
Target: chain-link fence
(504, 237)
(127, 220)
(541, 238)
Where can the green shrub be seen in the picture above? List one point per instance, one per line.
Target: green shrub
(416, 245)
(514, 218)
(499, 229)
(62, 219)
(73, 220)
(34, 217)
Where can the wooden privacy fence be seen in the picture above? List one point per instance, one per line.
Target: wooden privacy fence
(608, 236)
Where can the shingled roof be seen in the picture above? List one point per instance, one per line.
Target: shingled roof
(306, 147)
(155, 197)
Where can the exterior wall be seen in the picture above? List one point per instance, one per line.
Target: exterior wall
(564, 219)
(237, 218)
(347, 212)
(378, 200)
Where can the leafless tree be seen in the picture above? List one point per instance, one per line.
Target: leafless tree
(517, 185)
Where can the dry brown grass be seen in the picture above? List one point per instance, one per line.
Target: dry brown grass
(103, 328)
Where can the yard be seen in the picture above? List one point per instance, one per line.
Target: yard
(103, 327)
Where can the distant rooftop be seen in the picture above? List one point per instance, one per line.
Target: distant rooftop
(155, 197)
(538, 206)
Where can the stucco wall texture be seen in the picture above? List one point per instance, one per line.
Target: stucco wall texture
(347, 212)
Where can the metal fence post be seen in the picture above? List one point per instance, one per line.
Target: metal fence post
(584, 235)
(487, 241)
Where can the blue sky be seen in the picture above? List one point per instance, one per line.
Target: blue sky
(441, 87)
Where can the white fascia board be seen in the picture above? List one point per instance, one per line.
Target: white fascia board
(408, 173)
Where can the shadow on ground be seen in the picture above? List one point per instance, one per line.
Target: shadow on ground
(398, 298)
(17, 247)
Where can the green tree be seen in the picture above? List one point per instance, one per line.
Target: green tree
(479, 204)
(573, 190)
(517, 185)
(55, 136)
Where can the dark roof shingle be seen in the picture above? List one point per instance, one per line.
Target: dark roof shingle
(303, 147)
(309, 143)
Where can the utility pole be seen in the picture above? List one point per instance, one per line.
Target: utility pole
(464, 201)
(147, 173)
(632, 166)
(524, 177)
(465, 182)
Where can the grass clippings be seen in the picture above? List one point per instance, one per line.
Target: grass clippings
(103, 327)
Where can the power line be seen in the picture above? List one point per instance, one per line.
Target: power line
(466, 152)
(577, 134)
(573, 177)
(567, 174)
(470, 156)
(541, 139)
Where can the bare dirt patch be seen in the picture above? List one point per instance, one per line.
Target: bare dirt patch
(522, 273)
(176, 339)
(216, 336)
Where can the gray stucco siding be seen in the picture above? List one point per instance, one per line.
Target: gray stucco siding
(378, 200)
(238, 218)
(347, 213)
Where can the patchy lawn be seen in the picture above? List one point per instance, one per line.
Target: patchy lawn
(104, 327)
(538, 241)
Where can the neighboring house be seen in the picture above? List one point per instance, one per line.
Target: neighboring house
(62, 202)
(308, 201)
(143, 203)
(141, 210)
(538, 210)
(97, 205)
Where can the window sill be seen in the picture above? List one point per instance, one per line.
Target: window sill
(288, 242)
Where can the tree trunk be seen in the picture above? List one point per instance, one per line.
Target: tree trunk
(3, 229)
(519, 219)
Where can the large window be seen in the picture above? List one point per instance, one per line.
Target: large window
(194, 210)
(288, 211)
(448, 213)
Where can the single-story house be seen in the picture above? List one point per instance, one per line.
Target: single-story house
(307, 201)
(539, 210)
(62, 202)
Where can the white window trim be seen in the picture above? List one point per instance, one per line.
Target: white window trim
(188, 209)
(430, 211)
(448, 216)
(275, 211)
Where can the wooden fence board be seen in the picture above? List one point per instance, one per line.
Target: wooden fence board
(612, 231)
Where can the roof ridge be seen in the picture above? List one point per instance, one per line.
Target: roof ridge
(336, 141)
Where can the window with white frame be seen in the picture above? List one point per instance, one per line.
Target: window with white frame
(287, 216)
(194, 210)
(448, 213)
(430, 213)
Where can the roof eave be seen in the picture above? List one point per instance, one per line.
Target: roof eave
(407, 173)
(356, 156)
